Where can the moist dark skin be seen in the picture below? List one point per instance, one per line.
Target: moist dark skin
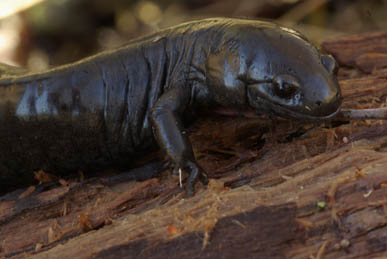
(110, 108)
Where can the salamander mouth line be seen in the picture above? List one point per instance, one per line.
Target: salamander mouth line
(315, 118)
(282, 111)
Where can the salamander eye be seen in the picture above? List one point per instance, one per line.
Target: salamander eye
(285, 86)
(330, 64)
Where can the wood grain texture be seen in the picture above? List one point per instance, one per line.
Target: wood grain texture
(279, 189)
(347, 49)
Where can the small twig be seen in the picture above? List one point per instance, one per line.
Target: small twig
(180, 179)
(363, 114)
(321, 250)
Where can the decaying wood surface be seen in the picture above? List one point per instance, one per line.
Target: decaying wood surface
(279, 189)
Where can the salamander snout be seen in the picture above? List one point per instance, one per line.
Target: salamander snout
(329, 105)
(325, 102)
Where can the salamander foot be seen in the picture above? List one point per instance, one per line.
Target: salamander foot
(195, 173)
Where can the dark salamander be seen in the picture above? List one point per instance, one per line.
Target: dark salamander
(111, 107)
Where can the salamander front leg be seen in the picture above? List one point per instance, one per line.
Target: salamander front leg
(167, 129)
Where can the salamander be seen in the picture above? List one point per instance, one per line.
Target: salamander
(113, 107)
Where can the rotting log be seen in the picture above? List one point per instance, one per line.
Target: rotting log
(280, 189)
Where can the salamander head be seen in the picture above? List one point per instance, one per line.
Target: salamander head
(272, 69)
(290, 77)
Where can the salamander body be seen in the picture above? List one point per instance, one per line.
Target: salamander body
(109, 108)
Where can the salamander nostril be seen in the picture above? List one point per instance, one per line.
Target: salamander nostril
(318, 103)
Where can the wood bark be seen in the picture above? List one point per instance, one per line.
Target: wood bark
(279, 189)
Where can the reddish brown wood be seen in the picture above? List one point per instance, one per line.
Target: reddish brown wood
(347, 49)
(369, 62)
(280, 189)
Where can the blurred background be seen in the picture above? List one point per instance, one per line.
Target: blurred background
(41, 33)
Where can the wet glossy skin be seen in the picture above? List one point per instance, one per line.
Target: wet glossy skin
(109, 108)
(279, 71)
